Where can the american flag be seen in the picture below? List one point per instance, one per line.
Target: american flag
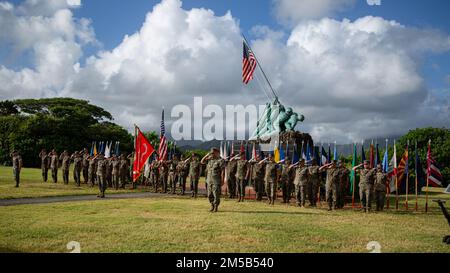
(434, 175)
(248, 64)
(162, 151)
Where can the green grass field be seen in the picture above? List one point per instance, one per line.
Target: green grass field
(174, 224)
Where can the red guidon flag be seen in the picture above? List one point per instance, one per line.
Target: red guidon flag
(143, 150)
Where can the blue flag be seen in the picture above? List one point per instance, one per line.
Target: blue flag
(295, 157)
(335, 156)
(363, 154)
(377, 157)
(324, 158)
(386, 162)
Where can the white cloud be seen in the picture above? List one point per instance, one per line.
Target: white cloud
(292, 12)
(351, 79)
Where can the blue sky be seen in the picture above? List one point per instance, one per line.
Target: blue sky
(113, 19)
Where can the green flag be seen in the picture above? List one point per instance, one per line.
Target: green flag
(353, 174)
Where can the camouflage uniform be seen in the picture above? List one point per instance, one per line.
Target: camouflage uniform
(92, 171)
(332, 186)
(172, 165)
(241, 173)
(231, 178)
(65, 158)
(85, 166)
(108, 174)
(154, 173)
(366, 187)
(123, 171)
(344, 176)
(44, 165)
(101, 175)
(258, 180)
(163, 174)
(182, 171)
(301, 185)
(215, 167)
(380, 190)
(115, 164)
(314, 181)
(270, 180)
(54, 166)
(194, 174)
(77, 166)
(286, 182)
(17, 166)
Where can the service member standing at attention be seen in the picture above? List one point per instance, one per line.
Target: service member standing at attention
(367, 177)
(65, 160)
(77, 167)
(215, 167)
(17, 166)
(109, 170)
(115, 165)
(44, 164)
(344, 180)
(101, 174)
(92, 171)
(54, 161)
(286, 180)
(85, 165)
(314, 181)
(172, 165)
(194, 174)
(182, 171)
(380, 188)
(230, 169)
(270, 178)
(242, 172)
(332, 184)
(258, 173)
(124, 172)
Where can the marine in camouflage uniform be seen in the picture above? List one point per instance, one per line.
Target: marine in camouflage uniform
(182, 172)
(92, 171)
(215, 169)
(332, 184)
(101, 175)
(270, 178)
(258, 172)
(242, 171)
(154, 174)
(17, 166)
(123, 171)
(65, 165)
(172, 165)
(366, 182)
(54, 165)
(115, 165)
(163, 176)
(301, 183)
(108, 174)
(231, 178)
(77, 167)
(286, 180)
(44, 164)
(314, 181)
(344, 180)
(85, 166)
(380, 188)
(194, 174)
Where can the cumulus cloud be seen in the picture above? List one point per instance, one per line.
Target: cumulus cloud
(48, 33)
(292, 12)
(351, 79)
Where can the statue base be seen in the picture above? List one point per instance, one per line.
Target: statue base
(291, 140)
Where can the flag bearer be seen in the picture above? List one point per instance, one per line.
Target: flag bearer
(163, 176)
(380, 188)
(172, 165)
(215, 174)
(124, 171)
(17, 166)
(115, 164)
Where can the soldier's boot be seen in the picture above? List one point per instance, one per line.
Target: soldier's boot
(216, 208)
(212, 208)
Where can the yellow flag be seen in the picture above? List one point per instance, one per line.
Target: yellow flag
(95, 149)
(277, 154)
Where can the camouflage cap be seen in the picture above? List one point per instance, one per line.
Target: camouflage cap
(214, 149)
(366, 162)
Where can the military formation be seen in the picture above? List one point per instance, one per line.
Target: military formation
(303, 181)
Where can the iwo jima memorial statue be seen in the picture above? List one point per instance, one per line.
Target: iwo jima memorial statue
(276, 126)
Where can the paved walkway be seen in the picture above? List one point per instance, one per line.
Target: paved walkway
(59, 199)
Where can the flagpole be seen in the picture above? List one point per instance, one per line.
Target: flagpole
(407, 177)
(262, 70)
(428, 176)
(388, 191)
(417, 194)
(354, 176)
(396, 178)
